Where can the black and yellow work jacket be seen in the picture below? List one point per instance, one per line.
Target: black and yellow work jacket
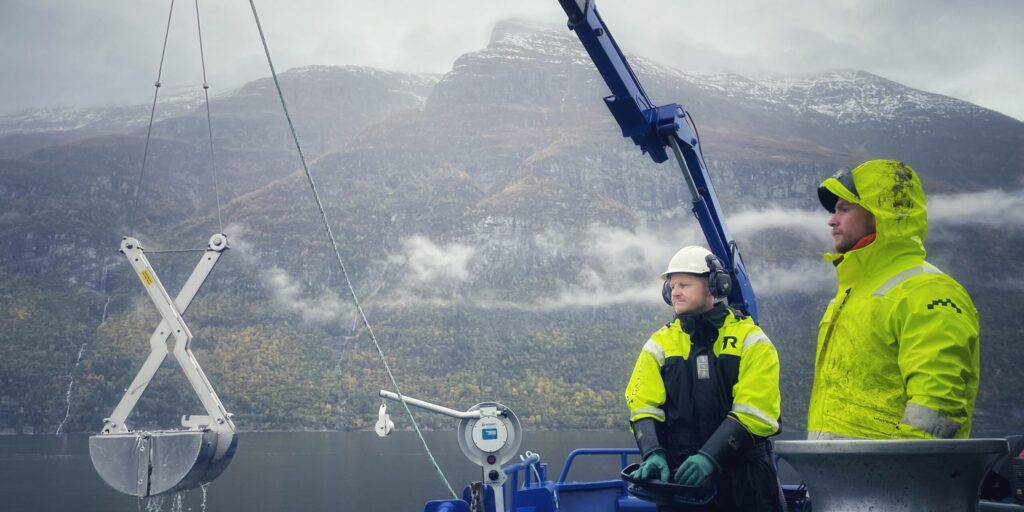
(696, 370)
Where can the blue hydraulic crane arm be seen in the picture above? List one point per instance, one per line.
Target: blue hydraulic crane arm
(658, 129)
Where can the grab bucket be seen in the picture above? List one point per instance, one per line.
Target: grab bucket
(152, 463)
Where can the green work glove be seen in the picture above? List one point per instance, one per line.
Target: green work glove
(694, 470)
(653, 466)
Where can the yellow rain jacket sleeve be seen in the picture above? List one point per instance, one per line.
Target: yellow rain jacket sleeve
(757, 402)
(645, 392)
(938, 358)
(898, 347)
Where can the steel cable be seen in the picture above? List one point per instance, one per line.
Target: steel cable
(337, 252)
(149, 131)
(209, 123)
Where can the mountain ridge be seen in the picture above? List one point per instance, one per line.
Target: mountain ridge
(492, 218)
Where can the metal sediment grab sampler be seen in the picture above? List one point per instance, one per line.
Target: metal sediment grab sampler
(149, 463)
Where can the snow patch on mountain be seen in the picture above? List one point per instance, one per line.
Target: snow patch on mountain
(852, 96)
(118, 119)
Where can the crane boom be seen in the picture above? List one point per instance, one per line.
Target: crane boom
(659, 130)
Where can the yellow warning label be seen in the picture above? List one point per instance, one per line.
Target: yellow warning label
(146, 277)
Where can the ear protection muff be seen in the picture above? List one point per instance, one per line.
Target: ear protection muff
(719, 281)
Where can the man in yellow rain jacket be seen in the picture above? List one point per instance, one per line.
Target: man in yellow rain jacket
(704, 394)
(897, 349)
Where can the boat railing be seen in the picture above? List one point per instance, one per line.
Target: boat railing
(535, 476)
(623, 453)
(531, 465)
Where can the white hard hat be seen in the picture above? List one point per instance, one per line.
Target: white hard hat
(691, 259)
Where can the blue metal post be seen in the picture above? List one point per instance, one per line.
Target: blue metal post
(656, 128)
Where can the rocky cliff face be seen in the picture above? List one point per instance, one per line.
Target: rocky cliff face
(504, 238)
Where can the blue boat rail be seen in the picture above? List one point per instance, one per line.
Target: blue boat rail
(537, 494)
(528, 489)
(623, 452)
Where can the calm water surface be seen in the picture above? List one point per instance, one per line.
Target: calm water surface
(293, 471)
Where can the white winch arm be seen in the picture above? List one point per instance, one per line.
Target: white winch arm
(429, 406)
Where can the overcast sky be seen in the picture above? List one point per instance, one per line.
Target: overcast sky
(100, 52)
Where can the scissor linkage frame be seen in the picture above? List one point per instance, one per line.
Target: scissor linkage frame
(172, 325)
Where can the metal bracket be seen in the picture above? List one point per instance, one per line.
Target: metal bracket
(172, 324)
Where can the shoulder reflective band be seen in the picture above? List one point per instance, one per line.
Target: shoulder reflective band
(755, 338)
(655, 350)
(897, 279)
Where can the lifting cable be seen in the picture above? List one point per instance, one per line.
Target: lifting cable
(149, 131)
(209, 124)
(337, 253)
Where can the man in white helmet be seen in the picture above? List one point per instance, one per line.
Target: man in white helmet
(704, 394)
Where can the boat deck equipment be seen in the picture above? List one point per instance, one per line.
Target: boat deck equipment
(489, 436)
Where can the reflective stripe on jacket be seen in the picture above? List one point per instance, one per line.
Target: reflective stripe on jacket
(750, 367)
(897, 353)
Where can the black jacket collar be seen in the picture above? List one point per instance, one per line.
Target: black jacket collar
(703, 328)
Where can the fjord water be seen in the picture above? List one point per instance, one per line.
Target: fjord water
(284, 471)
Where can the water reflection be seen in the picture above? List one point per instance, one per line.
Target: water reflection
(307, 471)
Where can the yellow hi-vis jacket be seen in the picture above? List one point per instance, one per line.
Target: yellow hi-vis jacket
(749, 367)
(897, 352)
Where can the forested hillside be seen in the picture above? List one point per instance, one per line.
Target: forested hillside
(504, 240)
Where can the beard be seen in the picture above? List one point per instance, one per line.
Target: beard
(847, 243)
(844, 245)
